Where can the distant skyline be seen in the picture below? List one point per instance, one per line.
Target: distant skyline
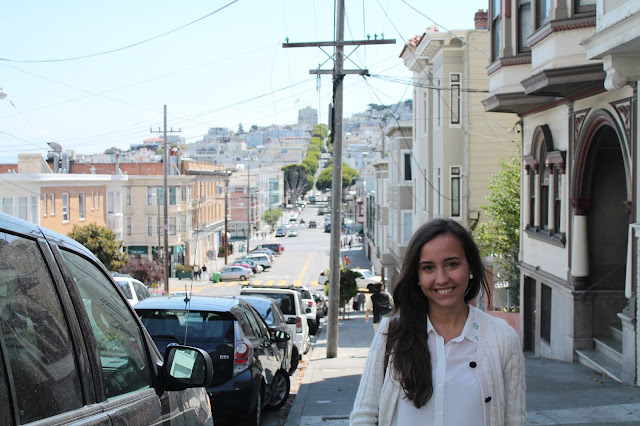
(223, 69)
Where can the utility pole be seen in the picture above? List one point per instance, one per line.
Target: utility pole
(165, 193)
(226, 218)
(248, 207)
(336, 188)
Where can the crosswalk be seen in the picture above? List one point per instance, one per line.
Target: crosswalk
(267, 283)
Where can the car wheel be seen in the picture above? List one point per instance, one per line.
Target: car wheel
(295, 359)
(242, 278)
(281, 386)
(255, 416)
(307, 343)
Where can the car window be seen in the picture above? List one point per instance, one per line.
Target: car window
(140, 290)
(198, 325)
(126, 289)
(306, 294)
(253, 322)
(284, 300)
(120, 342)
(35, 334)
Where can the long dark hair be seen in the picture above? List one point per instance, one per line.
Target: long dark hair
(407, 335)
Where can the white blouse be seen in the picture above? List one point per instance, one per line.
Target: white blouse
(457, 397)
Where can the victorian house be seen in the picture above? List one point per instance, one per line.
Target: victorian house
(569, 69)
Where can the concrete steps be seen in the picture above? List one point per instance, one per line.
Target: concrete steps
(606, 355)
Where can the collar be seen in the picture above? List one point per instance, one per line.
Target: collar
(470, 330)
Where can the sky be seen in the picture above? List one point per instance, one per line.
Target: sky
(94, 75)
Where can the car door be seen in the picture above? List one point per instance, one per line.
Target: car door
(262, 345)
(124, 382)
(44, 375)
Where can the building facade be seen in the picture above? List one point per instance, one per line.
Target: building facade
(569, 70)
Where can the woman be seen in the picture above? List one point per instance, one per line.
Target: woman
(440, 361)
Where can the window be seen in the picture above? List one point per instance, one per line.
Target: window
(557, 202)
(45, 209)
(65, 207)
(172, 195)
(438, 102)
(93, 201)
(426, 118)
(82, 213)
(439, 191)
(110, 202)
(98, 200)
(455, 98)
(172, 225)
(545, 168)
(150, 220)
(53, 204)
(149, 196)
(456, 176)
(544, 189)
(120, 343)
(160, 196)
(525, 24)
(128, 221)
(545, 317)
(7, 206)
(583, 6)
(23, 208)
(407, 224)
(542, 12)
(127, 194)
(34, 209)
(496, 28)
(35, 337)
(407, 166)
(141, 292)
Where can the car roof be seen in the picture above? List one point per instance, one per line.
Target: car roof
(269, 290)
(196, 303)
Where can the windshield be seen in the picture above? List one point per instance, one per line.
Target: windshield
(194, 325)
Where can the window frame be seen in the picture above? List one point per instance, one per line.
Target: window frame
(455, 182)
(82, 208)
(52, 205)
(455, 102)
(23, 208)
(496, 28)
(407, 169)
(66, 214)
(522, 38)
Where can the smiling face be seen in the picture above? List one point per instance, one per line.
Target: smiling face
(443, 272)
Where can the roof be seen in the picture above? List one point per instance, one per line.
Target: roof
(196, 303)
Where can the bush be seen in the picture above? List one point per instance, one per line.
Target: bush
(144, 270)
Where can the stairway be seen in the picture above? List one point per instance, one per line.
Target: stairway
(606, 355)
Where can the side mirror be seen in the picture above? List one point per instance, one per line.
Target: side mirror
(292, 320)
(186, 367)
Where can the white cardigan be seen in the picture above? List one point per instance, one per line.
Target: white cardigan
(499, 367)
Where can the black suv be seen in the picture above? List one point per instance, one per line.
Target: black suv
(248, 369)
(72, 348)
(312, 224)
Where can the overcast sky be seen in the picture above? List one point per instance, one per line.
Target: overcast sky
(220, 69)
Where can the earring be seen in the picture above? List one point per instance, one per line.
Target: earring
(471, 276)
(419, 284)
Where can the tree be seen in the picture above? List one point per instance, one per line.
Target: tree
(240, 129)
(320, 130)
(254, 128)
(144, 270)
(297, 181)
(112, 150)
(348, 286)
(272, 216)
(324, 181)
(102, 242)
(500, 235)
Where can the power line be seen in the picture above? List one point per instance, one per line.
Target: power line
(119, 48)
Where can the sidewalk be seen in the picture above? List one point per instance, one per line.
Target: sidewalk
(557, 392)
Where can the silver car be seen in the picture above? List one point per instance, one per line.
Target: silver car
(235, 272)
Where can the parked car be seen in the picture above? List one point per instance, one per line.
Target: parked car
(282, 231)
(313, 224)
(254, 267)
(259, 268)
(320, 211)
(273, 316)
(327, 227)
(367, 278)
(235, 272)
(247, 362)
(260, 259)
(73, 349)
(311, 310)
(293, 232)
(322, 302)
(133, 289)
(290, 303)
(155, 292)
(277, 248)
(271, 253)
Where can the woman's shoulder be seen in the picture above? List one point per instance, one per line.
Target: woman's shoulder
(490, 322)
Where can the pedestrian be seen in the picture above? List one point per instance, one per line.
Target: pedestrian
(380, 303)
(347, 262)
(440, 360)
(361, 300)
(203, 270)
(196, 272)
(349, 243)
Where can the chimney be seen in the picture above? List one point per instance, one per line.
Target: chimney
(481, 19)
